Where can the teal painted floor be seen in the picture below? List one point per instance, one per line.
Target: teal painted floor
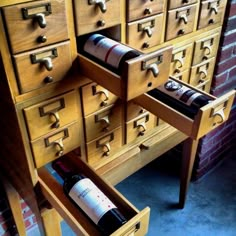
(210, 209)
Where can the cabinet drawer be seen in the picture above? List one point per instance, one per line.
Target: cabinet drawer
(180, 3)
(206, 48)
(145, 72)
(137, 9)
(96, 97)
(103, 122)
(145, 33)
(208, 118)
(181, 21)
(133, 110)
(55, 144)
(52, 189)
(140, 126)
(32, 25)
(40, 67)
(212, 12)
(94, 15)
(104, 146)
(52, 114)
(181, 59)
(183, 76)
(202, 73)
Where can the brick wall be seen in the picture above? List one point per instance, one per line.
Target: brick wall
(219, 144)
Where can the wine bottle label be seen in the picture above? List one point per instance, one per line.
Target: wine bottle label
(91, 199)
(179, 92)
(106, 49)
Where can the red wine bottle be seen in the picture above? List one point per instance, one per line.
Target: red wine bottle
(90, 199)
(180, 97)
(110, 53)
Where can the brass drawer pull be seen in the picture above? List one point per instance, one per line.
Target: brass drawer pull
(184, 18)
(59, 144)
(106, 149)
(38, 13)
(104, 143)
(104, 95)
(207, 50)
(146, 27)
(100, 3)
(151, 64)
(214, 9)
(55, 116)
(148, 11)
(45, 58)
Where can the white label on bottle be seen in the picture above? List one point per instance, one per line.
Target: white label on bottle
(91, 199)
(179, 92)
(106, 49)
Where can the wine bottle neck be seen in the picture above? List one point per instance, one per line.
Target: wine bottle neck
(62, 169)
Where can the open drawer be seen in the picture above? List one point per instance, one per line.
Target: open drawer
(139, 75)
(207, 118)
(137, 221)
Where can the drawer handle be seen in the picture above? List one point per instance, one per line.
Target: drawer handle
(148, 31)
(41, 19)
(56, 124)
(133, 230)
(47, 62)
(104, 95)
(207, 50)
(203, 74)
(154, 69)
(106, 149)
(151, 65)
(100, 3)
(214, 9)
(184, 18)
(142, 128)
(59, 144)
(180, 62)
(220, 113)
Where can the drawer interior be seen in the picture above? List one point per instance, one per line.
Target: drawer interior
(207, 118)
(51, 185)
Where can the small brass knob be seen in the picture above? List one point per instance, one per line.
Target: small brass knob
(181, 32)
(42, 39)
(147, 11)
(146, 45)
(48, 80)
(101, 23)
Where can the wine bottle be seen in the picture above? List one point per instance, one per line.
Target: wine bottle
(90, 199)
(180, 97)
(108, 52)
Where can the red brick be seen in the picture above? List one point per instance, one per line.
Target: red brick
(27, 213)
(232, 11)
(227, 86)
(225, 65)
(231, 24)
(232, 73)
(225, 53)
(27, 223)
(219, 79)
(228, 38)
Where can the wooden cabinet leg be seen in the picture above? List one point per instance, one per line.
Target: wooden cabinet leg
(51, 221)
(15, 205)
(189, 153)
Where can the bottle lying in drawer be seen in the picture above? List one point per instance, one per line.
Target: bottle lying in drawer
(195, 123)
(129, 78)
(137, 222)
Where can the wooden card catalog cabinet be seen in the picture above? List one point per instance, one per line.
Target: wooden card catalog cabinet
(56, 102)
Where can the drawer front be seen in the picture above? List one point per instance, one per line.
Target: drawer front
(180, 3)
(37, 68)
(146, 33)
(212, 12)
(93, 15)
(95, 97)
(202, 73)
(104, 147)
(181, 59)
(205, 48)
(147, 72)
(133, 110)
(103, 122)
(137, 9)
(183, 76)
(140, 126)
(32, 25)
(52, 114)
(56, 144)
(181, 21)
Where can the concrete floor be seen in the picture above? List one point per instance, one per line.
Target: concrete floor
(210, 209)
